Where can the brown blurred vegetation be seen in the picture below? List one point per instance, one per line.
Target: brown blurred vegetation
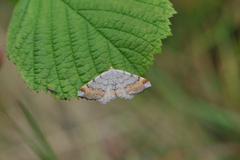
(191, 112)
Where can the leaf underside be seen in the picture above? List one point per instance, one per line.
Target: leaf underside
(63, 44)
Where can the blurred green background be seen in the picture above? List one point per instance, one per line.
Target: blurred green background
(192, 111)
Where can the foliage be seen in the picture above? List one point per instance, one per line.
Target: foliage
(62, 44)
(192, 112)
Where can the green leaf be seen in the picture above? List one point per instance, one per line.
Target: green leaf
(63, 44)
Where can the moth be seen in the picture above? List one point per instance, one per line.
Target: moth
(113, 83)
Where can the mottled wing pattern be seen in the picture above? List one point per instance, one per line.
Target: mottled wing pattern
(110, 80)
(110, 84)
(95, 89)
(124, 80)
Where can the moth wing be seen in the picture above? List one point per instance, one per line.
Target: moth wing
(139, 86)
(110, 81)
(94, 89)
(124, 79)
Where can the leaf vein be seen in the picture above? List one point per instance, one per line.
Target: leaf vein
(109, 53)
(90, 51)
(71, 42)
(100, 34)
(21, 21)
(24, 42)
(34, 35)
(148, 60)
(149, 4)
(52, 44)
(130, 34)
(127, 15)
